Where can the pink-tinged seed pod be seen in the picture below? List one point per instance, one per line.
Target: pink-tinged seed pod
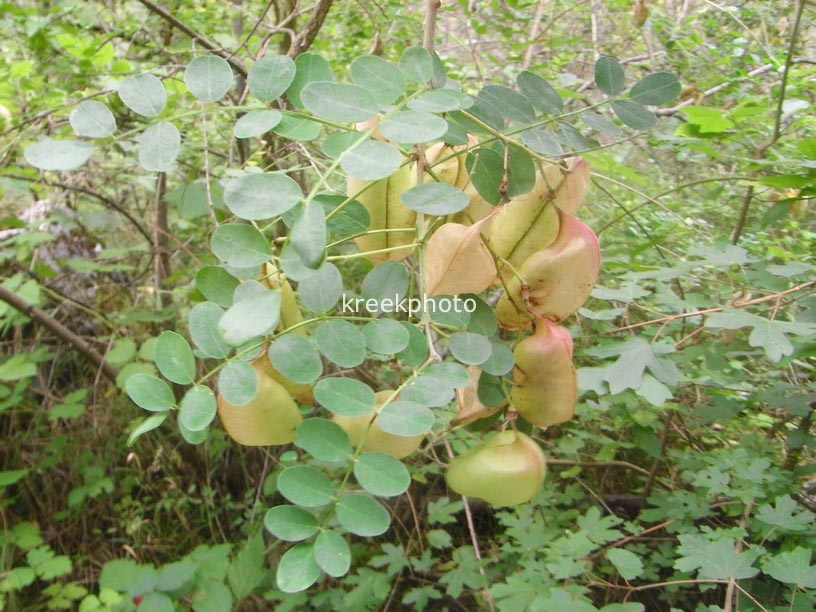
(573, 189)
(545, 384)
(557, 280)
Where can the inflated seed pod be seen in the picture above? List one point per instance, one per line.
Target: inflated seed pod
(545, 385)
(376, 440)
(555, 281)
(270, 418)
(505, 470)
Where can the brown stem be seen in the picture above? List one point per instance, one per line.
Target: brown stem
(705, 311)
(49, 322)
(105, 200)
(307, 36)
(161, 246)
(732, 583)
(535, 30)
(429, 25)
(203, 40)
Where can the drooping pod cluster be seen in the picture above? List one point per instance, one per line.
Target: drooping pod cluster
(547, 262)
(532, 247)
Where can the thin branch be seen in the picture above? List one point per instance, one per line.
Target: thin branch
(309, 32)
(49, 322)
(705, 311)
(429, 25)
(203, 40)
(712, 90)
(732, 583)
(105, 200)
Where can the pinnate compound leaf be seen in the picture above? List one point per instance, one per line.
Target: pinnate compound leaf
(633, 114)
(486, 169)
(238, 383)
(174, 358)
(309, 67)
(345, 396)
(203, 324)
(305, 486)
(332, 553)
(308, 234)
(144, 94)
(381, 474)
(216, 284)
(506, 102)
(385, 336)
(208, 77)
(93, 119)
(240, 245)
(457, 260)
(339, 101)
(198, 408)
(435, 199)
(270, 77)
(404, 418)
(320, 291)
(297, 569)
(417, 64)
(540, 93)
(362, 515)
(609, 76)
(383, 79)
(371, 160)
(296, 358)
(290, 523)
(159, 145)
(413, 127)
(324, 440)
(149, 424)
(261, 196)
(341, 342)
(440, 101)
(655, 89)
(250, 318)
(470, 348)
(150, 393)
(256, 123)
(50, 154)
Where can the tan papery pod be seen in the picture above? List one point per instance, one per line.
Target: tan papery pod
(457, 261)
(468, 406)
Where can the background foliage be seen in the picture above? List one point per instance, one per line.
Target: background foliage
(684, 482)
